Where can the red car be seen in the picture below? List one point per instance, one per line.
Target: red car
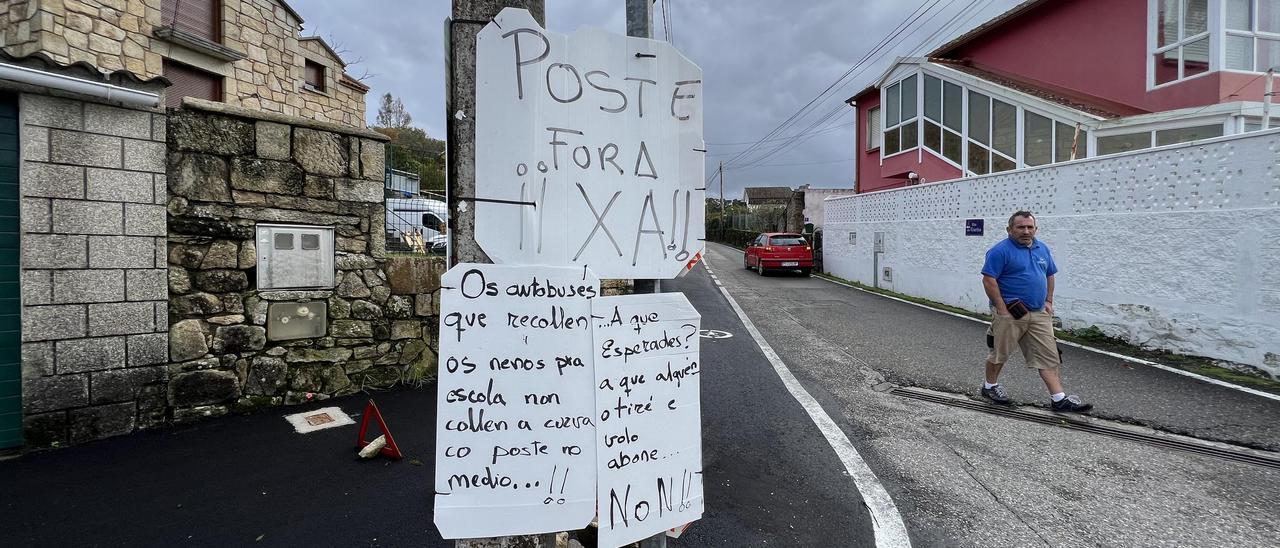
(779, 251)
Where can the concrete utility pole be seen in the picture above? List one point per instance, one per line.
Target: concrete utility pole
(469, 17)
(640, 25)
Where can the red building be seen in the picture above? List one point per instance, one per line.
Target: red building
(1055, 80)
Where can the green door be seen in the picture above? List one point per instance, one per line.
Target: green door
(10, 304)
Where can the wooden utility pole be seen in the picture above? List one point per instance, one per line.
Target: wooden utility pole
(469, 17)
(722, 219)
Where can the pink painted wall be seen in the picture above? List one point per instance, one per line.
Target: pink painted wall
(1097, 47)
(868, 161)
(872, 176)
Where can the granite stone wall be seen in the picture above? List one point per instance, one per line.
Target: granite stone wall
(94, 289)
(231, 169)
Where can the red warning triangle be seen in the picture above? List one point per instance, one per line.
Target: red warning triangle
(371, 410)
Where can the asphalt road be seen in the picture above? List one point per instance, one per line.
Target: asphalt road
(914, 346)
(770, 477)
(966, 478)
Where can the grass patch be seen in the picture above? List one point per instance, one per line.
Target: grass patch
(1240, 374)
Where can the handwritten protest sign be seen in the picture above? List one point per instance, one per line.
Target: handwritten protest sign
(515, 438)
(649, 435)
(604, 134)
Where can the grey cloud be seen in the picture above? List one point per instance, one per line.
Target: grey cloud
(762, 60)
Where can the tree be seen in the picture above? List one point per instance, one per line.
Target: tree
(391, 113)
(412, 150)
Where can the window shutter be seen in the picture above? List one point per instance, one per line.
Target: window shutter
(873, 128)
(200, 17)
(190, 82)
(314, 75)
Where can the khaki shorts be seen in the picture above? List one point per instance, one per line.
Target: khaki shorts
(1033, 333)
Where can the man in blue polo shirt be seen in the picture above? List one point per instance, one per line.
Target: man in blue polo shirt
(1018, 279)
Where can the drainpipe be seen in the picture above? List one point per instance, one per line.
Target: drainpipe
(1266, 101)
(81, 86)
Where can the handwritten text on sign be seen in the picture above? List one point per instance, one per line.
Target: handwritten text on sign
(604, 134)
(649, 446)
(515, 447)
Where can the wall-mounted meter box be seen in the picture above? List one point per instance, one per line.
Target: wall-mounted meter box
(287, 321)
(295, 256)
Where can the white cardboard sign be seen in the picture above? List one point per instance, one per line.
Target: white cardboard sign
(604, 134)
(515, 435)
(649, 433)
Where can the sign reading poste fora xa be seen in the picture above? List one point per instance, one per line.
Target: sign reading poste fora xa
(598, 138)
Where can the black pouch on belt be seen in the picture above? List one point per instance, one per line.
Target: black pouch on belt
(1017, 309)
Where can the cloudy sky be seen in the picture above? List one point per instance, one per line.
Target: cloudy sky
(762, 62)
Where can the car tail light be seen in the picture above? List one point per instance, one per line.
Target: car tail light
(768, 249)
(808, 248)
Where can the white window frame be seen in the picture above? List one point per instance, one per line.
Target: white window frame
(942, 114)
(1253, 34)
(1150, 128)
(990, 146)
(1084, 148)
(884, 104)
(1213, 31)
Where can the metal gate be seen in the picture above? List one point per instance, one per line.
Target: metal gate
(10, 304)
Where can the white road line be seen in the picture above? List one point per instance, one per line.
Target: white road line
(1210, 380)
(886, 522)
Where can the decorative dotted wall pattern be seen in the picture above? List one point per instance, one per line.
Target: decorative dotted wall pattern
(1232, 173)
(1204, 279)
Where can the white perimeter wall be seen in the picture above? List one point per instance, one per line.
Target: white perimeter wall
(1175, 248)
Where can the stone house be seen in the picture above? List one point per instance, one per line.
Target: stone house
(241, 52)
(131, 293)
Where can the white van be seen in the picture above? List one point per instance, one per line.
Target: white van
(411, 216)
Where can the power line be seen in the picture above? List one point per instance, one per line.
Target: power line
(794, 164)
(769, 140)
(926, 5)
(861, 64)
(778, 149)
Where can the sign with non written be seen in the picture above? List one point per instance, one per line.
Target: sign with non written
(515, 433)
(589, 150)
(649, 432)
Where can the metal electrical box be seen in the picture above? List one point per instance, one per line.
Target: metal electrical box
(297, 320)
(295, 256)
(878, 243)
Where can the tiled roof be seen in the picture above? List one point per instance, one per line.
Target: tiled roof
(986, 27)
(352, 82)
(326, 47)
(81, 69)
(760, 193)
(1072, 99)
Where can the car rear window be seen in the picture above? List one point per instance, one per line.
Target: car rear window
(787, 240)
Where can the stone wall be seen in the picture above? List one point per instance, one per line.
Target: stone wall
(1175, 248)
(93, 280)
(342, 99)
(108, 34)
(18, 37)
(270, 78)
(230, 169)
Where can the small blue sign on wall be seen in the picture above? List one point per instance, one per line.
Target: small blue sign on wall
(973, 227)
